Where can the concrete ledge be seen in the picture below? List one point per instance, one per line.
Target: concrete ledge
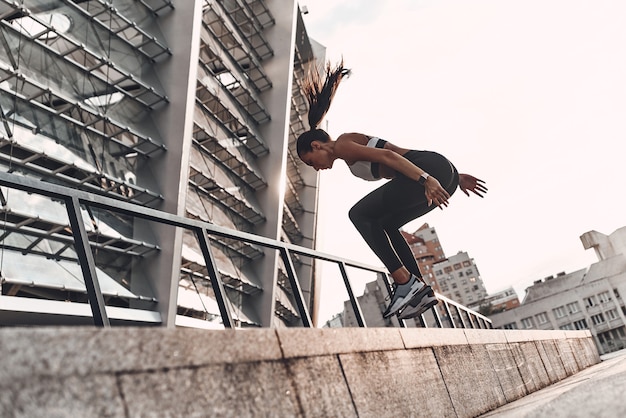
(348, 372)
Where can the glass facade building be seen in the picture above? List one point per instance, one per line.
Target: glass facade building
(190, 107)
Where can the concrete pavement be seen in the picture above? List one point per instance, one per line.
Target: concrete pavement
(598, 391)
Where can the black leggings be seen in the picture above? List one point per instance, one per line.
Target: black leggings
(379, 216)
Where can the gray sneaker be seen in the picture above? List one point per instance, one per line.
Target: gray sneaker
(418, 306)
(402, 294)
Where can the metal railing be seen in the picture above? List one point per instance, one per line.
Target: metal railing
(455, 315)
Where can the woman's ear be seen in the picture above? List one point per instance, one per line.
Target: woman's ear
(316, 145)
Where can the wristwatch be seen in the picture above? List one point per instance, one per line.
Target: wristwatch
(423, 178)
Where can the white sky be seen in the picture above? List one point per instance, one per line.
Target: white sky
(528, 95)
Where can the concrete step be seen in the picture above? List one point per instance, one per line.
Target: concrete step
(350, 372)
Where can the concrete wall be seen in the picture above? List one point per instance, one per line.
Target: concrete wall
(375, 372)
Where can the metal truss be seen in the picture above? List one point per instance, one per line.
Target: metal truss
(235, 164)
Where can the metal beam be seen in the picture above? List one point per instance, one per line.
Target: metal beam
(87, 263)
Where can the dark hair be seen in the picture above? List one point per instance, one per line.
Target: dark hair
(319, 93)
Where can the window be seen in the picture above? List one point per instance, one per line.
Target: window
(60, 22)
(468, 272)
(466, 263)
(559, 312)
(527, 323)
(472, 279)
(460, 274)
(566, 326)
(542, 318)
(454, 286)
(457, 266)
(597, 319)
(604, 297)
(438, 272)
(611, 314)
(228, 80)
(572, 307)
(616, 293)
(512, 325)
(447, 269)
(105, 99)
(582, 324)
(590, 301)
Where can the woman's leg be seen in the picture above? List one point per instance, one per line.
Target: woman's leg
(392, 226)
(366, 215)
(392, 223)
(403, 251)
(371, 216)
(380, 214)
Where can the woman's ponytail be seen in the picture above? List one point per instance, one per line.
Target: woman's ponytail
(319, 93)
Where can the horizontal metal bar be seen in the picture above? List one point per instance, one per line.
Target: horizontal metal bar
(107, 203)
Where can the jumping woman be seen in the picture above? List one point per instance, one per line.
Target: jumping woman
(419, 182)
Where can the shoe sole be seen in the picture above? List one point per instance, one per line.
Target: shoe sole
(419, 310)
(423, 290)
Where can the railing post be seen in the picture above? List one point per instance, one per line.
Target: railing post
(470, 318)
(216, 281)
(449, 313)
(295, 287)
(353, 300)
(435, 312)
(458, 312)
(87, 263)
(388, 287)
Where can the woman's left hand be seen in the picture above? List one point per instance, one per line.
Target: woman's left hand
(435, 193)
(472, 184)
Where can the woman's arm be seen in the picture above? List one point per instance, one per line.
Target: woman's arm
(349, 148)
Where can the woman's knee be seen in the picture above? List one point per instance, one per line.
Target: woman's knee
(355, 215)
(358, 217)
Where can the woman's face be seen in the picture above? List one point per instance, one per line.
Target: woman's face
(318, 158)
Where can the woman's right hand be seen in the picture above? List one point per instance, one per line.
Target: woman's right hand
(435, 193)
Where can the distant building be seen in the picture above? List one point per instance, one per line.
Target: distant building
(458, 279)
(497, 302)
(427, 250)
(335, 322)
(589, 298)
